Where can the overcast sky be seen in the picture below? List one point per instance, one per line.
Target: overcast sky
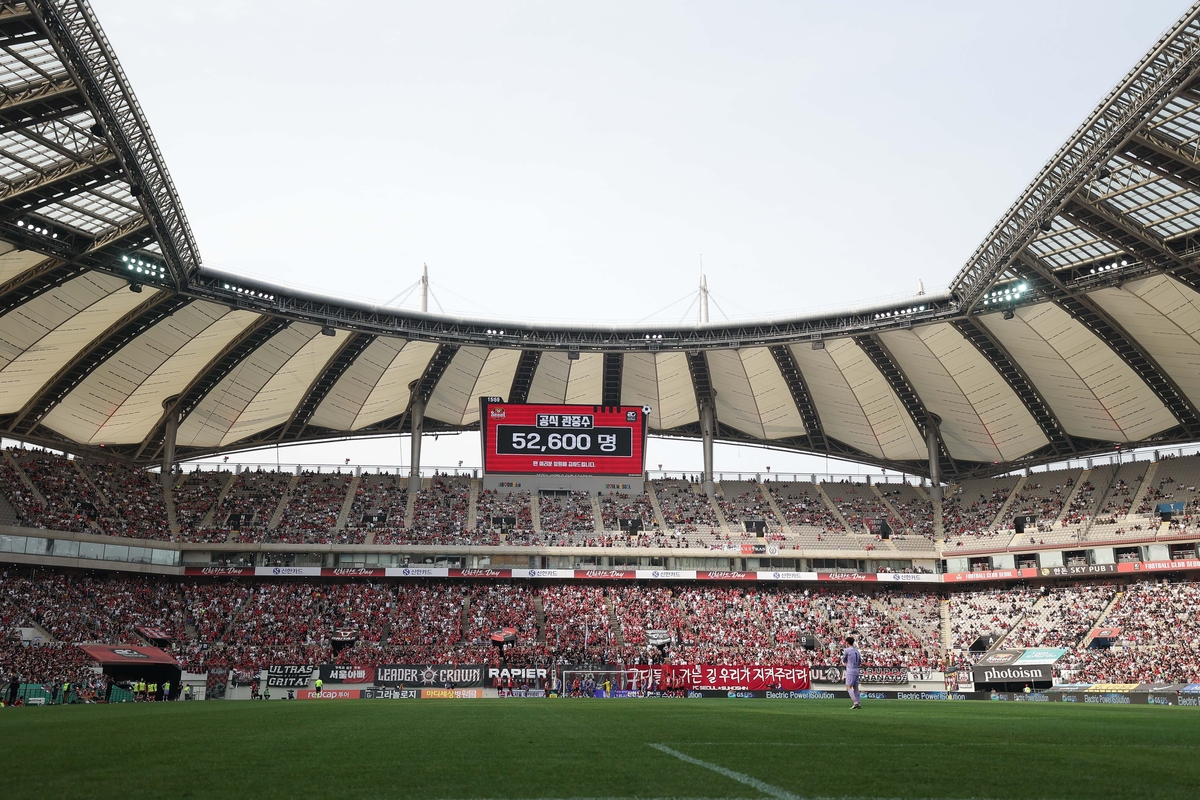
(576, 161)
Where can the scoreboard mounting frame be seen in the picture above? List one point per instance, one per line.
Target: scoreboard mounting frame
(561, 439)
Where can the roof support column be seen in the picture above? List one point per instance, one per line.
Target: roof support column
(935, 467)
(416, 423)
(706, 438)
(172, 427)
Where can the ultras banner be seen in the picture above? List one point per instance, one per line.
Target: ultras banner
(292, 675)
(721, 676)
(459, 675)
(836, 673)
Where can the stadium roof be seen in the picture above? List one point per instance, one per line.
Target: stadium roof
(1073, 329)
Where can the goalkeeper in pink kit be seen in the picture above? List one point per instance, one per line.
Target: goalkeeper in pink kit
(853, 660)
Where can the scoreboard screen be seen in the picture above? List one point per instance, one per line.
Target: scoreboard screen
(531, 439)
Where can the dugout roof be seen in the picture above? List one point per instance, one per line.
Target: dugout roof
(1095, 264)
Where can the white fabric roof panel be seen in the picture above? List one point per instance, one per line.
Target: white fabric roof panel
(1092, 392)
(452, 396)
(751, 394)
(663, 382)
(138, 415)
(211, 420)
(892, 431)
(278, 399)
(639, 386)
(842, 416)
(495, 380)
(1164, 316)
(340, 408)
(776, 408)
(982, 417)
(22, 377)
(734, 401)
(390, 395)
(99, 397)
(30, 321)
(549, 384)
(14, 263)
(585, 384)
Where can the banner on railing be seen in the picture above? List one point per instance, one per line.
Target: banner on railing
(718, 676)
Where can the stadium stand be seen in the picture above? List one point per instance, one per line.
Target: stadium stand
(807, 515)
(1062, 618)
(970, 509)
(440, 513)
(246, 626)
(250, 502)
(616, 506)
(378, 509)
(566, 517)
(742, 501)
(133, 497)
(311, 512)
(685, 509)
(194, 497)
(975, 613)
(60, 499)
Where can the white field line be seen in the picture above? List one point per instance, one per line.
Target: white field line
(765, 788)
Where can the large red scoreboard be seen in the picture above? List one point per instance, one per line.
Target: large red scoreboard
(535, 439)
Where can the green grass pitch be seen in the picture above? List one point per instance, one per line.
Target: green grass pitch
(595, 748)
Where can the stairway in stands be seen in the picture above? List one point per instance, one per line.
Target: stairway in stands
(1008, 502)
(348, 503)
(832, 506)
(1083, 478)
(540, 610)
(946, 628)
(464, 620)
(614, 624)
(1099, 623)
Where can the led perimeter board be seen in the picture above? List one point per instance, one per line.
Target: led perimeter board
(536, 439)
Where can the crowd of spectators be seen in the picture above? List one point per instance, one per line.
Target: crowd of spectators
(440, 514)
(134, 500)
(568, 514)
(616, 506)
(683, 508)
(740, 501)
(970, 510)
(804, 509)
(194, 496)
(250, 502)
(973, 614)
(507, 513)
(577, 622)
(860, 506)
(380, 502)
(916, 512)
(312, 509)
(1078, 510)
(1159, 640)
(1062, 618)
(1117, 502)
(71, 504)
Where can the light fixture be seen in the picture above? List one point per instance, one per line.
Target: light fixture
(136, 288)
(1046, 226)
(1009, 313)
(327, 330)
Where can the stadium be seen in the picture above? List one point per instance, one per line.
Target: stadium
(1018, 565)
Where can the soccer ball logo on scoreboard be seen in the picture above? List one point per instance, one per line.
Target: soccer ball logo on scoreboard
(531, 438)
